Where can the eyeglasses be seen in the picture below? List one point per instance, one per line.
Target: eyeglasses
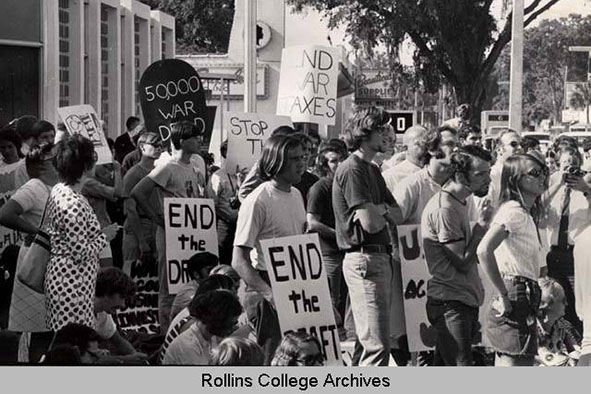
(514, 144)
(537, 172)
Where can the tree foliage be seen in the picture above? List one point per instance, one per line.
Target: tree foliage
(455, 40)
(202, 26)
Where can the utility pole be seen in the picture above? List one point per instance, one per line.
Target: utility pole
(516, 81)
(250, 56)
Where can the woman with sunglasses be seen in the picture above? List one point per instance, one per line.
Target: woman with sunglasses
(512, 255)
(76, 238)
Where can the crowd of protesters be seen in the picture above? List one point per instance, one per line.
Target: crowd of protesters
(521, 215)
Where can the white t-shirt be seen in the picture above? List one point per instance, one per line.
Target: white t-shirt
(266, 213)
(521, 253)
(395, 174)
(190, 348)
(32, 197)
(196, 161)
(104, 325)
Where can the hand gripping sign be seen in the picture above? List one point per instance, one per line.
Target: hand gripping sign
(308, 84)
(190, 227)
(170, 91)
(247, 133)
(300, 290)
(83, 120)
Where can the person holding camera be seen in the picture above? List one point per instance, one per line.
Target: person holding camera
(568, 214)
(225, 187)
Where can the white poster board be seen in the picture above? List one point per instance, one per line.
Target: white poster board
(190, 227)
(82, 119)
(308, 84)
(300, 290)
(247, 133)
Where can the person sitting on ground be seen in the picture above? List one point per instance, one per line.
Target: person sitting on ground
(298, 349)
(82, 338)
(63, 356)
(197, 269)
(217, 315)
(238, 352)
(559, 343)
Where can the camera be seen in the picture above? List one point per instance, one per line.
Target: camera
(234, 202)
(575, 171)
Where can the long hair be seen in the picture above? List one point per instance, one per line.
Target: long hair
(363, 123)
(274, 155)
(514, 169)
(288, 350)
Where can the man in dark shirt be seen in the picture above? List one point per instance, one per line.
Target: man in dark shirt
(320, 218)
(125, 144)
(363, 209)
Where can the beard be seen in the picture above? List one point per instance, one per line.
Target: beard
(481, 192)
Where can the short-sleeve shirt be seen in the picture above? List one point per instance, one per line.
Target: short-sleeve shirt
(356, 183)
(190, 348)
(266, 213)
(320, 203)
(446, 220)
(32, 197)
(521, 253)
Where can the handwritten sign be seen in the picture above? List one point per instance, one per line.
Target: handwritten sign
(83, 120)
(170, 91)
(190, 227)
(300, 290)
(247, 133)
(308, 84)
(142, 314)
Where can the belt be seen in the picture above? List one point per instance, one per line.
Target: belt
(387, 249)
(568, 248)
(515, 279)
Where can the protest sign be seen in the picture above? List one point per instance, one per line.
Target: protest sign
(7, 189)
(300, 290)
(83, 120)
(190, 227)
(142, 313)
(308, 84)
(170, 91)
(415, 275)
(247, 133)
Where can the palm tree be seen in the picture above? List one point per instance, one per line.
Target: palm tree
(581, 97)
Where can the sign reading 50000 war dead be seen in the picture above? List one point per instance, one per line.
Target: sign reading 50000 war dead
(308, 84)
(300, 290)
(170, 91)
(190, 228)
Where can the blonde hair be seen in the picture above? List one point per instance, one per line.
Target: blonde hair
(551, 291)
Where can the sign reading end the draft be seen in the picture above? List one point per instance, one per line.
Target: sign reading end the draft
(83, 120)
(190, 228)
(308, 84)
(300, 290)
(247, 133)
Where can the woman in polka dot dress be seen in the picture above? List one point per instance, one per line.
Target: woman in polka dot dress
(76, 238)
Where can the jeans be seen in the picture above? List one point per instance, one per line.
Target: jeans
(457, 326)
(165, 299)
(333, 264)
(369, 278)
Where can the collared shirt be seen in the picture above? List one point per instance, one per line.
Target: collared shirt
(579, 213)
(395, 174)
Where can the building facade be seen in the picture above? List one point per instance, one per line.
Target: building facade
(56, 53)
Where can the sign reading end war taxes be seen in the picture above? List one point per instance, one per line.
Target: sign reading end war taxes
(190, 227)
(300, 290)
(82, 119)
(170, 91)
(247, 133)
(415, 275)
(308, 84)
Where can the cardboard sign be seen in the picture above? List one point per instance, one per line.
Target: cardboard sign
(170, 91)
(7, 189)
(247, 133)
(415, 275)
(190, 227)
(142, 314)
(82, 119)
(300, 290)
(308, 84)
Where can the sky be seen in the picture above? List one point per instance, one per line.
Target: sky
(309, 28)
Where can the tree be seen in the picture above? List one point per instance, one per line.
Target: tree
(455, 40)
(202, 26)
(581, 98)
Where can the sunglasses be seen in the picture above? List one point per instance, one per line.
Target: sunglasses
(537, 172)
(514, 144)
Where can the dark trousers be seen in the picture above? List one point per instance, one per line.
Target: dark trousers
(561, 267)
